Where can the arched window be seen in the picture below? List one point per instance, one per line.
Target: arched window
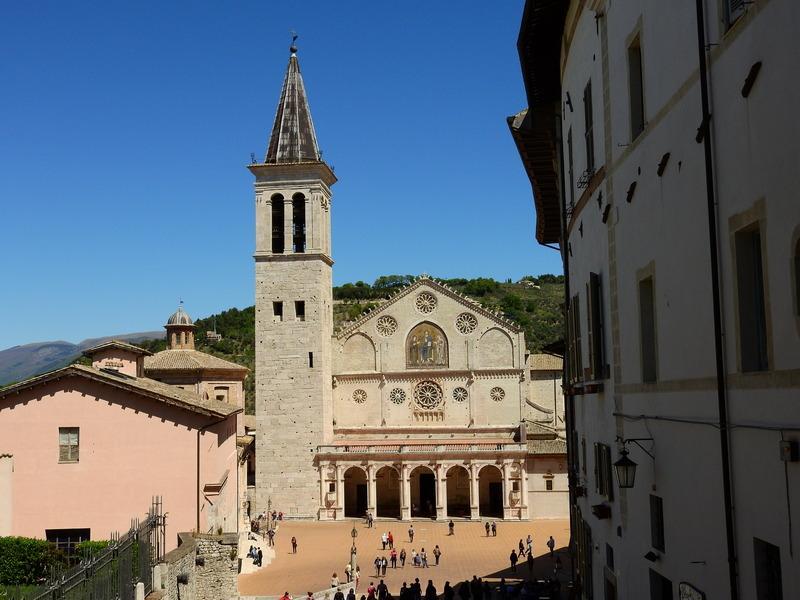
(277, 224)
(299, 222)
(426, 347)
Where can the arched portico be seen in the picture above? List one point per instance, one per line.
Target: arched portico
(490, 492)
(423, 492)
(458, 492)
(355, 492)
(387, 496)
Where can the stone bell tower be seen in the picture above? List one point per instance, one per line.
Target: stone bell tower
(294, 313)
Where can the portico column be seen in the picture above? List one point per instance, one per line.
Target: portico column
(441, 492)
(340, 490)
(288, 219)
(372, 496)
(474, 499)
(405, 497)
(506, 490)
(322, 490)
(524, 485)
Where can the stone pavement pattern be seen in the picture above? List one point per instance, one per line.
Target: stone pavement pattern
(324, 548)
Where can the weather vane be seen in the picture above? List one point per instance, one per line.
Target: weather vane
(293, 48)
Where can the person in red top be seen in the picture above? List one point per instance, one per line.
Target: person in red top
(393, 558)
(390, 539)
(286, 596)
(371, 592)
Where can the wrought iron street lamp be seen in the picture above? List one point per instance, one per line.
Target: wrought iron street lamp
(625, 467)
(353, 551)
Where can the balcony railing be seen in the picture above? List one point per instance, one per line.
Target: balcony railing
(423, 448)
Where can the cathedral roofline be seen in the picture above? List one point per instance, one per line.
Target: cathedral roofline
(495, 316)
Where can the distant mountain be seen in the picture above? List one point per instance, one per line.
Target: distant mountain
(20, 362)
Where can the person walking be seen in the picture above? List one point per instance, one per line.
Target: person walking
(259, 556)
(430, 591)
(384, 564)
(521, 548)
(390, 539)
(513, 559)
(437, 553)
(357, 575)
(384, 539)
(334, 580)
(557, 568)
(294, 545)
(383, 591)
(411, 534)
(451, 527)
(393, 558)
(487, 528)
(377, 564)
(370, 591)
(402, 557)
(551, 543)
(338, 595)
(271, 536)
(423, 557)
(351, 595)
(348, 572)
(530, 565)
(417, 589)
(404, 591)
(286, 596)
(529, 544)
(494, 529)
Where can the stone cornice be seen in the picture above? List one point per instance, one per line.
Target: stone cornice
(415, 375)
(294, 257)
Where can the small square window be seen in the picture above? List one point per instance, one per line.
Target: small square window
(300, 310)
(277, 311)
(548, 485)
(68, 444)
(331, 487)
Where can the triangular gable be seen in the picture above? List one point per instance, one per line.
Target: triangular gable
(421, 281)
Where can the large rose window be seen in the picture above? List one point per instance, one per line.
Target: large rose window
(428, 395)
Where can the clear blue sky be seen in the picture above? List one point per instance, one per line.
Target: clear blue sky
(125, 128)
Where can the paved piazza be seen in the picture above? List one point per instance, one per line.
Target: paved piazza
(324, 547)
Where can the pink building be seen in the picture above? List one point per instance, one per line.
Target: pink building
(84, 448)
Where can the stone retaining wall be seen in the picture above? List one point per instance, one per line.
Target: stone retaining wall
(204, 562)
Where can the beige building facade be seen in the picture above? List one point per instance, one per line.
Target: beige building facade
(421, 408)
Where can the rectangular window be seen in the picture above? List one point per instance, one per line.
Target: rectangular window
(574, 331)
(221, 393)
(636, 88)
(660, 586)
(277, 224)
(277, 311)
(68, 444)
(589, 120)
(310, 360)
(733, 10)
(602, 471)
(583, 455)
(67, 539)
(609, 557)
(767, 558)
(570, 170)
(331, 487)
(300, 310)
(594, 313)
(548, 485)
(647, 330)
(752, 309)
(299, 223)
(657, 522)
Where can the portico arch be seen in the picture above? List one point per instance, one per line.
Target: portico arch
(490, 491)
(355, 492)
(423, 492)
(458, 499)
(387, 496)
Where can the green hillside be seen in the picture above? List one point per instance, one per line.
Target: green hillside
(533, 302)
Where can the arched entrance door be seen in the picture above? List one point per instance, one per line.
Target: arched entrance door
(490, 492)
(355, 492)
(458, 492)
(423, 492)
(387, 486)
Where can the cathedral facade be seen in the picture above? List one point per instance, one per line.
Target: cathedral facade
(425, 407)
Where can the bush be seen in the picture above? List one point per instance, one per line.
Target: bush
(90, 547)
(24, 561)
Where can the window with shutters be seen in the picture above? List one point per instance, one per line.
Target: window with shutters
(647, 330)
(636, 88)
(68, 444)
(589, 132)
(575, 370)
(602, 471)
(594, 312)
(570, 171)
(657, 522)
(751, 301)
(733, 10)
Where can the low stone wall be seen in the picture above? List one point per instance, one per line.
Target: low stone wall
(200, 568)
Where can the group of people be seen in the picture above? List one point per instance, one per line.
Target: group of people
(490, 527)
(418, 559)
(527, 550)
(256, 555)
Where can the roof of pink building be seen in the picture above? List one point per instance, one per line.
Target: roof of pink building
(188, 360)
(144, 386)
(116, 344)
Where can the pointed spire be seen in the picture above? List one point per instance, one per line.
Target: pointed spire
(293, 139)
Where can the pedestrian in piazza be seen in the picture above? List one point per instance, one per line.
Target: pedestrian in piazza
(377, 563)
(393, 558)
(370, 520)
(416, 589)
(487, 528)
(551, 543)
(530, 564)
(357, 575)
(384, 539)
(475, 588)
(521, 548)
(294, 545)
(334, 580)
(494, 529)
(423, 557)
(259, 556)
(383, 591)
(403, 591)
(413, 557)
(286, 596)
(370, 591)
(513, 558)
(411, 534)
(430, 591)
(351, 595)
(348, 572)
(529, 543)
(271, 537)
(338, 595)
(449, 594)
(402, 557)
(384, 564)
(437, 554)
(390, 539)
(451, 527)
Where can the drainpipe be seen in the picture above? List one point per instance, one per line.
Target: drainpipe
(569, 399)
(722, 401)
(197, 491)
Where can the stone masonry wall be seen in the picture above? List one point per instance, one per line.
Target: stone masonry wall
(206, 562)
